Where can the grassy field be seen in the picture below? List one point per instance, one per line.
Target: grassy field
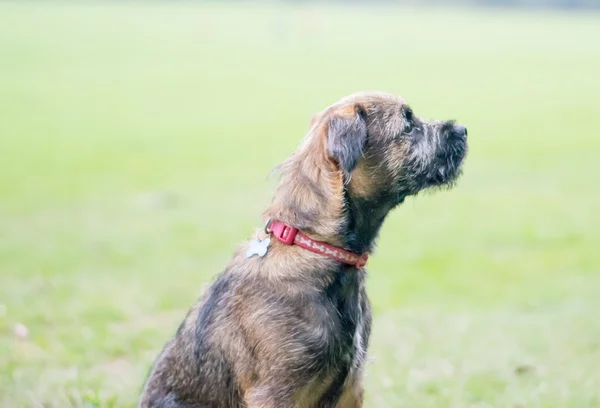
(135, 144)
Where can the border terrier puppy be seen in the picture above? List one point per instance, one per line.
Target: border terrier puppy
(287, 323)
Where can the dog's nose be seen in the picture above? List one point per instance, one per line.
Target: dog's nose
(460, 130)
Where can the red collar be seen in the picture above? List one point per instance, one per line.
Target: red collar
(291, 236)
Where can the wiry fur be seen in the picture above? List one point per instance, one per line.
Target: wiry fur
(291, 329)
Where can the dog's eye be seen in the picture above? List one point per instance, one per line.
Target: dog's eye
(408, 121)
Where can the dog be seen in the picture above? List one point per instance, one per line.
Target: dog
(287, 323)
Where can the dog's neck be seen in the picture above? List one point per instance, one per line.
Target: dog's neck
(363, 219)
(335, 217)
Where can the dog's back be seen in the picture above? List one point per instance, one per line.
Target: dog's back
(193, 370)
(246, 331)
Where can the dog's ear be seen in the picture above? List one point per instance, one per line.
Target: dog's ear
(347, 136)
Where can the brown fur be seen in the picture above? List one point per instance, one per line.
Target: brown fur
(291, 329)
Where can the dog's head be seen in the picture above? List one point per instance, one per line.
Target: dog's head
(362, 156)
(385, 150)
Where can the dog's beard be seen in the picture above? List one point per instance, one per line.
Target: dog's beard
(436, 156)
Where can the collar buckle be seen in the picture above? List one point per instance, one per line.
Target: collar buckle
(283, 232)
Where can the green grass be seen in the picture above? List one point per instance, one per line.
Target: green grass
(135, 141)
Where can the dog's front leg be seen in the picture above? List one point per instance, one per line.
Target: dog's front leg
(351, 398)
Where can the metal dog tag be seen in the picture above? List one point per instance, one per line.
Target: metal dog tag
(258, 247)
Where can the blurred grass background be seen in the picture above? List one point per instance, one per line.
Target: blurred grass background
(135, 144)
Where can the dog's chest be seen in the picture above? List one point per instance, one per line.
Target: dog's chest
(361, 335)
(353, 312)
(348, 337)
